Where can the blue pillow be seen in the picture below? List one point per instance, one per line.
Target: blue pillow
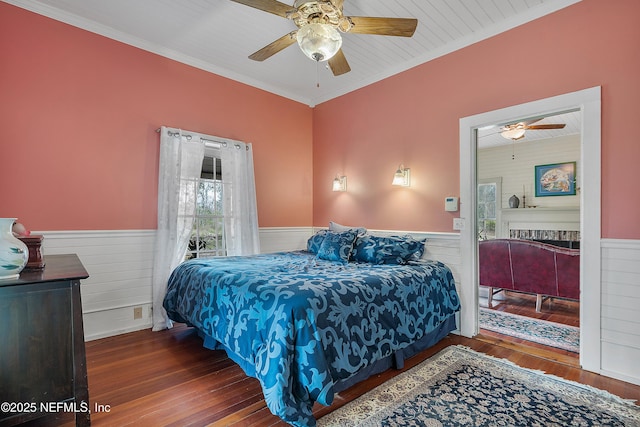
(388, 250)
(337, 246)
(314, 242)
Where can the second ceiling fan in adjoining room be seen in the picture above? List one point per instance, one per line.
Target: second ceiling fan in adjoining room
(516, 131)
(319, 25)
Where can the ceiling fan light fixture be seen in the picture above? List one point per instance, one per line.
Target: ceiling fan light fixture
(319, 41)
(513, 133)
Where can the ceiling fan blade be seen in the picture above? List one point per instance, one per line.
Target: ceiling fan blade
(338, 64)
(271, 6)
(403, 27)
(544, 127)
(274, 47)
(521, 124)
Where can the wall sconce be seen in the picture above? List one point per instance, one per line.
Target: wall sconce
(402, 177)
(340, 183)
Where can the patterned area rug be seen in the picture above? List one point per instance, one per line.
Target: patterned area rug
(535, 330)
(461, 387)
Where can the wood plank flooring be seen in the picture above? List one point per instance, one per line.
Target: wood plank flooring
(167, 378)
(552, 310)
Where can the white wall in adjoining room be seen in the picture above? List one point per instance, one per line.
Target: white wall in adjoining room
(516, 161)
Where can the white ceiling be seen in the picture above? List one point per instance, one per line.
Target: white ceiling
(219, 35)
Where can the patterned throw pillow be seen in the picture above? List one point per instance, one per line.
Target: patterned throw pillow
(334, 226)
(388, 250)
(314, 242)
(337, 246)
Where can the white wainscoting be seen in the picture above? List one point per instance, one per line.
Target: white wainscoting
(119, 263)
(620, 323)
(277, 239)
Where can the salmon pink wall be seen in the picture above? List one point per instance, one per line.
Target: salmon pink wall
(78, 115)
(413, 118)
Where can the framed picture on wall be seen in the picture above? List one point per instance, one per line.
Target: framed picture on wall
(556, 179)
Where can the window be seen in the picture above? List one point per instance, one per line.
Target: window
(489, 191)
(207, 236)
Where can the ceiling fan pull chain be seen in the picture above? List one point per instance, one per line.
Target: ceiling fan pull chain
(317, 74)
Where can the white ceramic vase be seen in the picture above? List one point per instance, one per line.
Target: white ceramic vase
(14, 254)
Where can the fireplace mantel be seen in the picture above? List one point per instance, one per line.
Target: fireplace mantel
(555, 218)
(550, 208)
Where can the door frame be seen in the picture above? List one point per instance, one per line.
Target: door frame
(588, 102)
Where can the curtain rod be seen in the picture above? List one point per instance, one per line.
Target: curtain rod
(208, 142)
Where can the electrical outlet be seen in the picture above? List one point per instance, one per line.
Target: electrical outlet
(137, 313)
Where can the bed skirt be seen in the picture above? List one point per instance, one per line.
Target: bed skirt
(395, 360)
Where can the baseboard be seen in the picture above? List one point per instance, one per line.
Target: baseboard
(116, 321)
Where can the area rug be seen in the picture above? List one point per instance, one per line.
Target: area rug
(461, 387)
(536, 330)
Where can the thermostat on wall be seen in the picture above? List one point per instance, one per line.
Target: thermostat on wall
(451, 204)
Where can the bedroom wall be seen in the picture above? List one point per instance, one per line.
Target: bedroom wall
(78, 118)
(413, 118)
(79, 153)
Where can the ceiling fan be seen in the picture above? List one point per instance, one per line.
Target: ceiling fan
(319, 25)
(516, 131)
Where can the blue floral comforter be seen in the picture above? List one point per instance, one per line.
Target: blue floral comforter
(300, 324)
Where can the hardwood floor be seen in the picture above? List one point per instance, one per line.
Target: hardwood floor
(168, 379)
(552, 310)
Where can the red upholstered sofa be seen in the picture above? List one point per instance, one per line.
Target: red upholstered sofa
(531, 267)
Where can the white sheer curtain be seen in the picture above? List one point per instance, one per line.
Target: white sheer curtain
(239, 199)
(181, 155)
(179, 171)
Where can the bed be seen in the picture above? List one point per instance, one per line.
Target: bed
(308, 324)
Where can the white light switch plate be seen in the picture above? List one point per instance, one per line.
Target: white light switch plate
(458, 223)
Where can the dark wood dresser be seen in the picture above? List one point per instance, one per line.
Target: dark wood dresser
(43, 370)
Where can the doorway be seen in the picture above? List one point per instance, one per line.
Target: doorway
(588, 102)
(514, 211)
